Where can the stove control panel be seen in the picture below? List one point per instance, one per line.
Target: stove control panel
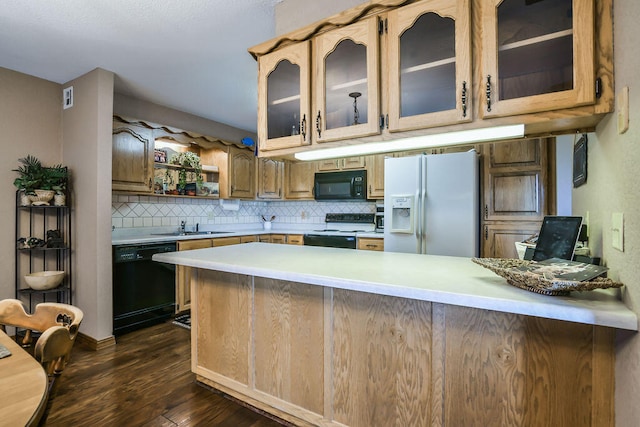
(357, 218)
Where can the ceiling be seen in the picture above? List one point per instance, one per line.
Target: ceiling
(189, 55)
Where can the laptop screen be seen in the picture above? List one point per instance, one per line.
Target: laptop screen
(558, 237)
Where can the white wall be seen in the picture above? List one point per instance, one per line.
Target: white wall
(564, 174)
(612, 186)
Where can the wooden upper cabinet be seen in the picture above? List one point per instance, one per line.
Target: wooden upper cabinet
(395, 68)
(375, 176)
(515, 179)
(347, 163)
(242, 171)
(284, 97)
(270, 173)
(536, 56)
(429, 62)
(298, 180)
(346, 102)
(132, 158)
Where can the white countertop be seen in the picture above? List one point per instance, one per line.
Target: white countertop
(440, 279)
(145, 235)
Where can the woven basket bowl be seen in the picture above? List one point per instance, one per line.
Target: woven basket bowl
(44, 280)
(42, 197)
(508, 268)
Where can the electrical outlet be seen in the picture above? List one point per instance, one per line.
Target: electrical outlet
(67, 97)
(617, 231)
(211, 215)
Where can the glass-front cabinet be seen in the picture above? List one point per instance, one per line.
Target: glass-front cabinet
(346, 97)
(537, 55)
(283, 98)
(429, 51)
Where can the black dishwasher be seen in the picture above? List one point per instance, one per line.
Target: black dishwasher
(143, 290)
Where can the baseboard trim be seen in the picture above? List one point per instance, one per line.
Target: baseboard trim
(95, 344)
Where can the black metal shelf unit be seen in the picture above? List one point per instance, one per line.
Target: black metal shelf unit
(48, 253)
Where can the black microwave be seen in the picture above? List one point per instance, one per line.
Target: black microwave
(346, 185)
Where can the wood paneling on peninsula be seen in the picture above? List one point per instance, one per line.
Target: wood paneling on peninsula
(317, 355)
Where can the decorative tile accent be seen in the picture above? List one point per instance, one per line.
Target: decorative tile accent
(151, 211)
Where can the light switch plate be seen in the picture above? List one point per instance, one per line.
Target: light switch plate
(617, 231)
(67, 97)
(623, 110)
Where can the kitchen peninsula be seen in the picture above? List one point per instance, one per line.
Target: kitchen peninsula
(325, 336)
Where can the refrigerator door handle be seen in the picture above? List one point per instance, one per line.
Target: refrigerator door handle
(423, 220)
(417, 221)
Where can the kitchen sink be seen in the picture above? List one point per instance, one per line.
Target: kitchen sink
(189, 233)
(207, 232)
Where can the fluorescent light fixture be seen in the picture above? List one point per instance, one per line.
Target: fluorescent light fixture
(417, 142)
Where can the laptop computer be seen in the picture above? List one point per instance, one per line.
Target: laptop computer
(558, 237)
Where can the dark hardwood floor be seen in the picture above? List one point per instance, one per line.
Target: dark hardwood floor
(145, 380)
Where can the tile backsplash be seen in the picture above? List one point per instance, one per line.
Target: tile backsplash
(152, 211)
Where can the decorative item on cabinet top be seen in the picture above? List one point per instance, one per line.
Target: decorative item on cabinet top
(179, 136)
(40, 184)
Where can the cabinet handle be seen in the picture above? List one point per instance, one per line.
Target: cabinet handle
(486, 211)
(488, 93)
(150, 185)
(486, 232)
(303, 127)
(464, 99)
(318, 123)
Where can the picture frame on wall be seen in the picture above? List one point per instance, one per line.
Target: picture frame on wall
(580, 161)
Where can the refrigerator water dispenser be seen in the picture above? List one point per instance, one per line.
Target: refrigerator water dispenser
(402, 208)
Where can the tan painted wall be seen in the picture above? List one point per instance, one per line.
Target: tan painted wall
(30, 123)
(612, 186)
(87, 152)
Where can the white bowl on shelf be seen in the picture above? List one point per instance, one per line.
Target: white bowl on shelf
(44, 280)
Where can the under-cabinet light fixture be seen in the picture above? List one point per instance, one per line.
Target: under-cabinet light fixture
(162, 143)
(417, 142)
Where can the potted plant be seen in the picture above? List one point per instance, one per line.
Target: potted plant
(188, 162)
(56, 178)
(38, 183)
(29, 178)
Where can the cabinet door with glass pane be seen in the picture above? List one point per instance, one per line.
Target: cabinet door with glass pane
(429, 51)
(346, 97)
(283, 97)
(537, 55)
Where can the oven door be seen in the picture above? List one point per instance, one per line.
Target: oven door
(346, 242)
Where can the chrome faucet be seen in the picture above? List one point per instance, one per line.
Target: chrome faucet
(183, 224)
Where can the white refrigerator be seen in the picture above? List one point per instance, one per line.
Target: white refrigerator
(431, 204)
